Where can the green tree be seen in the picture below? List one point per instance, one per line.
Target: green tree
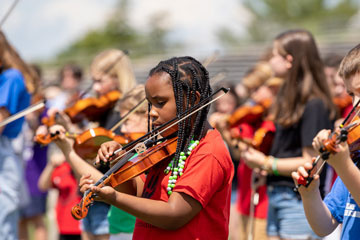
(273, 16)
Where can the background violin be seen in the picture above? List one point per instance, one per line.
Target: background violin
(262, 139)
(92, 108)
(249, 113)
(87, 108)
(87, 144)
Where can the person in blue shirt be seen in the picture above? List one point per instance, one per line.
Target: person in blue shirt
(14, 97)
(341, 205)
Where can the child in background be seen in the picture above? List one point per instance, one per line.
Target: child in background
(121, 224)
(57, 174)
(302, 107)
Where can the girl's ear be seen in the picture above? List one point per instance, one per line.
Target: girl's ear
(197, 94)
(197, 100)
(289, 60)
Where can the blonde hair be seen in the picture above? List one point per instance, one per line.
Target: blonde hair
(117, 64)
(131, 98)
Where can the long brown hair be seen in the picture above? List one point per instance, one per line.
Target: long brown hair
(305, 79)
(9, 58)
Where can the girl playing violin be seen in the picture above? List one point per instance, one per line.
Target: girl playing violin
(341, 205)
(195, 202)
(302, 107)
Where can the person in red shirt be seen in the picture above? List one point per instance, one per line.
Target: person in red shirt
(188, 195)
(58, 175)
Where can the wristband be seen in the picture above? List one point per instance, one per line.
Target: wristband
(274, 167)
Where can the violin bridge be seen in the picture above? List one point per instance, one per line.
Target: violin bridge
(140, 148)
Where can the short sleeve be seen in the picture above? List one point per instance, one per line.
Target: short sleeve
(14, 97)
(12, 88)
(202, 177)
(315, 118)
(336, 200)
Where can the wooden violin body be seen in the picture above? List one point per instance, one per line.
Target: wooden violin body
(92, 108)
(353, 137)
(88, 143)
(248, 113)
(342, 102)
(87, 108)
(124, 171)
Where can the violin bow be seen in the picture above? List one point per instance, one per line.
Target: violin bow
(7, 14)
(24, 112)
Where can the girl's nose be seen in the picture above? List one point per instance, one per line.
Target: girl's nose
(153, 114)
(96, 87)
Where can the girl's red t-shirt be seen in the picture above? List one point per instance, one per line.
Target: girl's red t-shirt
(64, 180)
(207, 178)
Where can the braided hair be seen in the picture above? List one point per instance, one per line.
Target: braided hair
(188, 76)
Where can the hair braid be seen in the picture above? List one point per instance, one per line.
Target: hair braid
(188, 76)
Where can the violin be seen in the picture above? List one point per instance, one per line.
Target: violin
(249, 113)
(89, 108)
(342, 102)
(130, 166)
(349, 133)
(88, 143)
(262, 139)
(92, 108)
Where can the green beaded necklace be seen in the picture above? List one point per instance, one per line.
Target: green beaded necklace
(179, 169)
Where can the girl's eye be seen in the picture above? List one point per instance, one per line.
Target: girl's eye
(161, 103)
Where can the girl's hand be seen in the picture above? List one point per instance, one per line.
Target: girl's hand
(218, 120)
(342, 149)
(63, 142)
(302, 171)
(253, 158)
(42, 130)
(105, 194)
(107, 150)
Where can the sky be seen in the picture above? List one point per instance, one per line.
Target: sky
(39, 29)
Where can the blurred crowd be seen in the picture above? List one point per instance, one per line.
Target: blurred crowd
(268, 120)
